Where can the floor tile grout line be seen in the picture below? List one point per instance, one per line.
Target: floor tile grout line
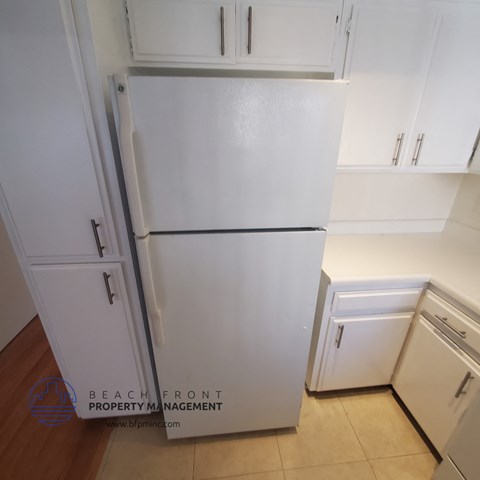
(353, 428)
(280, 454)
(239, 475)
(402, 455)
(330, 464)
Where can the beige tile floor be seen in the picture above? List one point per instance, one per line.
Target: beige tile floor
(361, 436)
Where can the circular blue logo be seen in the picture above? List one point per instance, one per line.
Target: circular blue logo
(52, 401)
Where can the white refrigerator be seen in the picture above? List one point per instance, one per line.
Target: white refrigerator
(229, 182)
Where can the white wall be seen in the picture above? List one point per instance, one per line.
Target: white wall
(466, 209)
(392, 202)
(16, 305)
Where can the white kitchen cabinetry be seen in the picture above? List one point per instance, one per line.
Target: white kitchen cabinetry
(56, 206)
(359, 331)
(49, 172)
(362, 351)
(437, 382)
(288, 33)
(448, 119)
(413, 85)
(182, 31)
(87, 310)
(387, 57)
(277, 34)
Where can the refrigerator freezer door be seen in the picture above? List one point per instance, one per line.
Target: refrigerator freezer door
(228, 153)
(237, 312)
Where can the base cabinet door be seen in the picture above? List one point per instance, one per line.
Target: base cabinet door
(436, 381)
(362, 351)
(84, 309)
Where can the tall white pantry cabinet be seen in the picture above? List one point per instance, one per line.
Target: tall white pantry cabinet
(67, 227)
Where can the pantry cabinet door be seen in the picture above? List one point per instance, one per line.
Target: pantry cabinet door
(48, 178)
(362, 351)
(299, 33)
(182, 31)
(92, 331)
(386, 64)
(449, 114)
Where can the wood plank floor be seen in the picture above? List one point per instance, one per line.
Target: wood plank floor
(29, 449)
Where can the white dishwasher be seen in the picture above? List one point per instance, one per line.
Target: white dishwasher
(463, 460)
(439, 374)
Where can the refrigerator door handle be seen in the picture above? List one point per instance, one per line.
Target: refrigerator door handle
(127, 151)
(153, 310)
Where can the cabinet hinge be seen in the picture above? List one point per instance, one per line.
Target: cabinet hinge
(128, 28)
(348, 23)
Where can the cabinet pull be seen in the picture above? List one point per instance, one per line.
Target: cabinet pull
(100, 247)
(250, 20)
(418, 148)
(338, 340)
(110, 295)
(465, 380)
(398, 147)
(222, 31)
(444, 320)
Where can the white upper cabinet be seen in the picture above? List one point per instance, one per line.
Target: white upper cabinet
(388, 53)
(277, 34)
(414, 85)
(182, 31)
(48, 176)
(449, 116)
(291, 33)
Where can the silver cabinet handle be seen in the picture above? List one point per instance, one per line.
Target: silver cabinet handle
(444, 320)
(418, 148)
(398, 148)
(222, 31)
(465, 380)
(100, 247)
(338, 340)
(250, 20)
(110, 295)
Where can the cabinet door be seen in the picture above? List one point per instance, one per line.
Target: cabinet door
(47, 173)
(288, 33)
(429, 380)
(93, 337)
(182, 31)
(386, 62)
(363, 351)
(449, 114)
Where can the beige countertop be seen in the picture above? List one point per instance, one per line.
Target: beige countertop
(449, 260)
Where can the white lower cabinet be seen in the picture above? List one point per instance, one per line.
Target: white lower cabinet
(437, 382)
(360, 328)
(362, 351)
(85, 309)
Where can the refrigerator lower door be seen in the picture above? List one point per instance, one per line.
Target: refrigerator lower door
(237, 311)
